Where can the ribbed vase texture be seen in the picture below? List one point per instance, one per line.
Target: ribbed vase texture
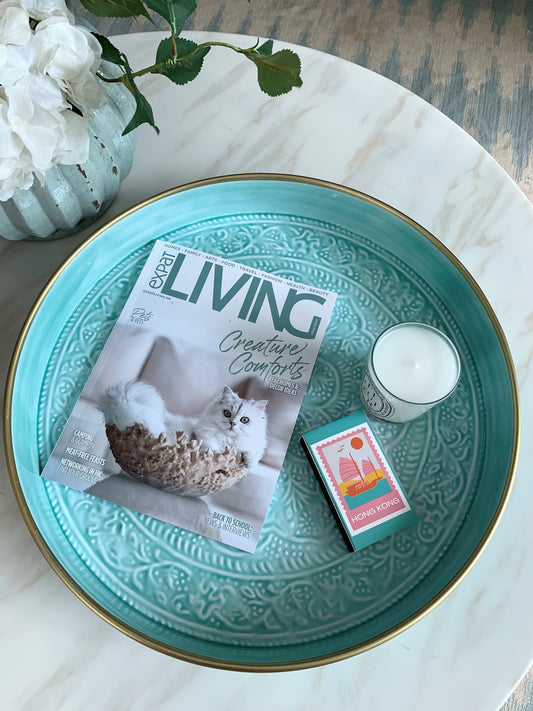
(73, 196)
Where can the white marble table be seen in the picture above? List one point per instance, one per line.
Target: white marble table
(354, 127)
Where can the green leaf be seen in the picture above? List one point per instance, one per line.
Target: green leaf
(278, 73)
(143, 114)
(116, 8)
(143, 111)
(109, 52)
(186, 65)
(175, 12)
(265, 49)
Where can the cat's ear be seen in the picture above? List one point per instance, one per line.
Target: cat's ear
(227, 390)
(261, 404)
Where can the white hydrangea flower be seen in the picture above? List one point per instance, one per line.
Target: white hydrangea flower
(11, 145)
(16, 170)
(41, 9)
(17, 63)
(14, 23)
(65, 51)
(46, 69)
(86, 93)
(73, 144)
(71, 56)
(14, 175)
(38, 128)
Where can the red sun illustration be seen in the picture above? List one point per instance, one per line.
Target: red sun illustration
(357, 443)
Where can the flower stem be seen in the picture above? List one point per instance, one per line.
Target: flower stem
(154, 68)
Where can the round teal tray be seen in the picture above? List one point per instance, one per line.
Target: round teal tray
(302, 599)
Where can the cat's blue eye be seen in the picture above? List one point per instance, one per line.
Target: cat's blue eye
(245, 420)
(227, 413)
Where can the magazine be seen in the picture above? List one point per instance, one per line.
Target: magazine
(189, 409)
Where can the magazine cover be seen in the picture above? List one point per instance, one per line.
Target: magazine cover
(188, 412)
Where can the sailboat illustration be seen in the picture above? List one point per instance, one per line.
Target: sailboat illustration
(357, 479)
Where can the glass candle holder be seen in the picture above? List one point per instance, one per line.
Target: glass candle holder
(411, 368)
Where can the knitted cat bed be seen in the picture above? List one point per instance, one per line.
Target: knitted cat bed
(179, 468)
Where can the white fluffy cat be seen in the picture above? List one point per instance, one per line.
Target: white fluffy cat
(228, 420)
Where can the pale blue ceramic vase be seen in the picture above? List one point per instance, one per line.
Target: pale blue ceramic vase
(73, 196)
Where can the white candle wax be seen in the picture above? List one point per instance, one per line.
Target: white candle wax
(416, 363)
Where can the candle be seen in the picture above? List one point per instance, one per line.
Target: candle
(411, 368)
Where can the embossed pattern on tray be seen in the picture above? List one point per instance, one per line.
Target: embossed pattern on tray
(301, 584)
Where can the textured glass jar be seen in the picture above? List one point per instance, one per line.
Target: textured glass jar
(73, 196)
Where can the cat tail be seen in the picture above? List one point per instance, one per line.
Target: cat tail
(134, 402)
